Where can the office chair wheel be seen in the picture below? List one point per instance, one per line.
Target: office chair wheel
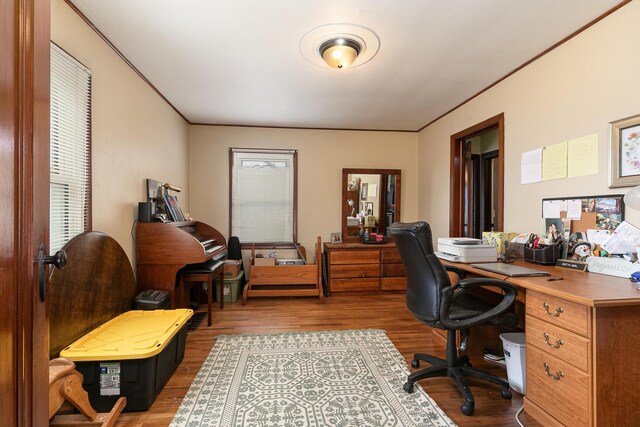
(408, 387)
(506, 394)
(467, 408)
(415, 363)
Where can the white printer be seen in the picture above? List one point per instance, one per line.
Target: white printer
(465, 249)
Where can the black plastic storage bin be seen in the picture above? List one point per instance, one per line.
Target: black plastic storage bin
(152, 300)
(111, 372)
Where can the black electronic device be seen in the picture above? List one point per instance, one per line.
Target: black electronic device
(145, 212)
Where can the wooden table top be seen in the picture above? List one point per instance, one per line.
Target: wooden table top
(592, 289)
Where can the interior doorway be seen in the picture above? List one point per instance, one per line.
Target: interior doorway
(477, 179)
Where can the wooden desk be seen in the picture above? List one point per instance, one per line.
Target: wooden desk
(583, 347)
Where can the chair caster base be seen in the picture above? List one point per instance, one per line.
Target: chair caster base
(408, 387)
(415, 363)
(467, 408)
(506, 394)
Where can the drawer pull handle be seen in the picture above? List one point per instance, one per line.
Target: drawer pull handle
(558, 312)
(556, 377)
(558, 344)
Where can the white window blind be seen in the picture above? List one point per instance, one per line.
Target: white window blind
(262, 195)
(70, 137)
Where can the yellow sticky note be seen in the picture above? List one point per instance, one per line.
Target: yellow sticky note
(554, 161)
(582, 156)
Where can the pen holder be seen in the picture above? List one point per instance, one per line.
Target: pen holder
(542, 254)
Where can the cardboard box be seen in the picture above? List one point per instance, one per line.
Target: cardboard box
(264, 261)
(232, 267)
(498, 238)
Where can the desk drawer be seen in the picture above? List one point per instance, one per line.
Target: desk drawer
(355, 270)
(393, 270)
(390, 256)
(565, 345)
(566, 398)
(559, 312)
(341, 285)
(354, 257)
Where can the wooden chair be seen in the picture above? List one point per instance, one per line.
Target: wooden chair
(65, 385)
(204, 273)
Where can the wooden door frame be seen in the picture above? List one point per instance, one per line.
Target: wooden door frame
(456, 194)
(24, 135)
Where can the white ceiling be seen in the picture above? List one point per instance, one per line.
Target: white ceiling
(238, 62)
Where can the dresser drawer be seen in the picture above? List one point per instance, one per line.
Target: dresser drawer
(559, 312)
(565, 345)
(354, 257)
(390, 256)
(393, 270)
(393, 283)
(565, 396)
(342, 285)
(354, 270)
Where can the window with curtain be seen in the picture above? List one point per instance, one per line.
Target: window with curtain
(263, 195)
(70, 149)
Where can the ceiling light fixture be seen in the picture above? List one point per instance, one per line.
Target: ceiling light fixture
(340, 53)
(339, 46)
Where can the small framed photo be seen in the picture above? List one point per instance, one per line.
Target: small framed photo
(336, 237)
(364, 191)
(624, 152)
(368, 208)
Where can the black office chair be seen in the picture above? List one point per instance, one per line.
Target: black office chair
(433, 300)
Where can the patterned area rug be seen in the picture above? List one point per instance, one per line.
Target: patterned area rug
(338, 378)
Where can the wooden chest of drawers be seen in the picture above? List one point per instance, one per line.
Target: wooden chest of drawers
(363, 267)
(559, 363)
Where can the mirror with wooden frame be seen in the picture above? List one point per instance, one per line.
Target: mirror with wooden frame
(370, 200)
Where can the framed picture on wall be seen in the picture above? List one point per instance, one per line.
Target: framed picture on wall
(364, 191)
(624, 152)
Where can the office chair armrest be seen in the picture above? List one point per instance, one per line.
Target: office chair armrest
(460, 272)
(448, 295)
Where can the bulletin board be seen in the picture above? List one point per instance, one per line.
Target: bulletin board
(604, 212)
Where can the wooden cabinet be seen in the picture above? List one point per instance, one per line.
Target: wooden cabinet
(364, 267)
(558, 358)
(582, 347)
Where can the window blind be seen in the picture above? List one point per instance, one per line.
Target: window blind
(263, 195)
(70, 154)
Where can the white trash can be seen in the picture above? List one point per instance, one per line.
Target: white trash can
(514, 353)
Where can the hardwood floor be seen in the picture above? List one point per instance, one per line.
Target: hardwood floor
(385, 312)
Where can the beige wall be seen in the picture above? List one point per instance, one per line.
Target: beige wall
(321, 156)
(573, 91)
(135, 133)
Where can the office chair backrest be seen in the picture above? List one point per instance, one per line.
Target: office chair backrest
(426, 276)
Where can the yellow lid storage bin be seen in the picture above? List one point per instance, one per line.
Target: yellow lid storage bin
(132, 355)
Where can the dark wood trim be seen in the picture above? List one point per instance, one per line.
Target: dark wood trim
(456, 188)
(486, 179)
(304, 128)
(24, 161)
(230, 193)
(345, 210)
(538, 56)
(124, 58)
